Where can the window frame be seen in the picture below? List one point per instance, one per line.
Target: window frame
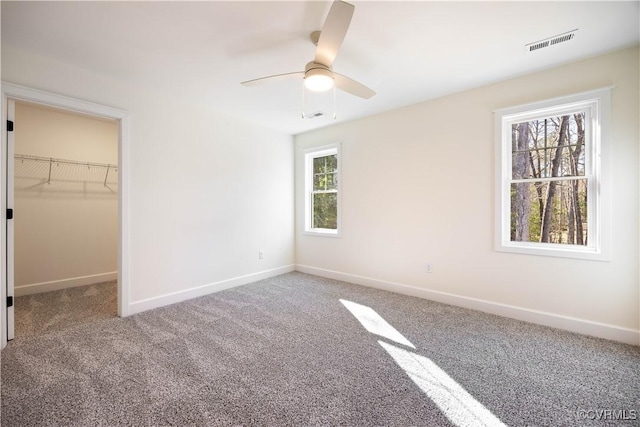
(309, 155)
(597, 103)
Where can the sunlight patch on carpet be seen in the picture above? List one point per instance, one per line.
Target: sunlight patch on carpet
(453, 400)
(374, 323)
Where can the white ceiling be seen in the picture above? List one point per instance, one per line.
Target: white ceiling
(406, 51)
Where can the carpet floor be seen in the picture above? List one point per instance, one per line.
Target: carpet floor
(54, 311)
(298, 350)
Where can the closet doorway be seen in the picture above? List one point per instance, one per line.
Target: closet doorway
(66, 218)
(65, 233)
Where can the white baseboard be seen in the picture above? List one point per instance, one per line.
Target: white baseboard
(581, 326)
(198, 291)
(56, 285)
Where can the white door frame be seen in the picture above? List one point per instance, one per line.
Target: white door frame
(22, 93)
(8, 226)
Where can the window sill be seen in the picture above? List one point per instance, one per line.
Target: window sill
(555, 250)
(321, 233)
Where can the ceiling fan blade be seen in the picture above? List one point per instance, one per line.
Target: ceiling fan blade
(271, 79)
(353, 87)
(333, 32)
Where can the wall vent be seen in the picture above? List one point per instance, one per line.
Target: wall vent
(551, 41)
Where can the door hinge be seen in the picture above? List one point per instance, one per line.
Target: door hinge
(9, 302)
(9, 213)
(9, 126)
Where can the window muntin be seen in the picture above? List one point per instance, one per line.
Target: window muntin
(550, 199)
(322, 191)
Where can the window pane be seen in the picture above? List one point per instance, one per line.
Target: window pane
(325, 173)
(323, 182)
(550, 212)
(319, 181)
(325, 164)
(550, 147)
(319, 165)
(332, 163)
(332, 181)
(325, 210)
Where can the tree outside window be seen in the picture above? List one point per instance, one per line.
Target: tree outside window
(549, 189)
(325, 192)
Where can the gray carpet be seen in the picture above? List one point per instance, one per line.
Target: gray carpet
(287, 351)
(58, 310)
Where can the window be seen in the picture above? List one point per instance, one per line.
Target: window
(322, 195)
(552, 170)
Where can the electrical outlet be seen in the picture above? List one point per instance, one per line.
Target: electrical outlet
(428, 268)
(260, 255)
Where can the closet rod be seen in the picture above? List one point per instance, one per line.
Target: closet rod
(64, 161)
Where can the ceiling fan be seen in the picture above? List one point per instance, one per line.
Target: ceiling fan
(318, 74)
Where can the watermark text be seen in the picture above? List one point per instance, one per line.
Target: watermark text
(607, 414)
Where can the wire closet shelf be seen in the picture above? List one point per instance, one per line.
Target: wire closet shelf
(109, 170)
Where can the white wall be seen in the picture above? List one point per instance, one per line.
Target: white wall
(66, 228)
(418, 187)
(207, 191)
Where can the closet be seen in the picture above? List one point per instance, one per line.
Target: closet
(66, 208)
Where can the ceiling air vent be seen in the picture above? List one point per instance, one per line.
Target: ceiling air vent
(313, 115)
(551, 41)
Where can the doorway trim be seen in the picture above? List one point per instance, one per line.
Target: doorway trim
(22, 93)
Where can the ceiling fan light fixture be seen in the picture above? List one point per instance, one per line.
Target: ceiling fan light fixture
(318, 79)
(318, 75)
